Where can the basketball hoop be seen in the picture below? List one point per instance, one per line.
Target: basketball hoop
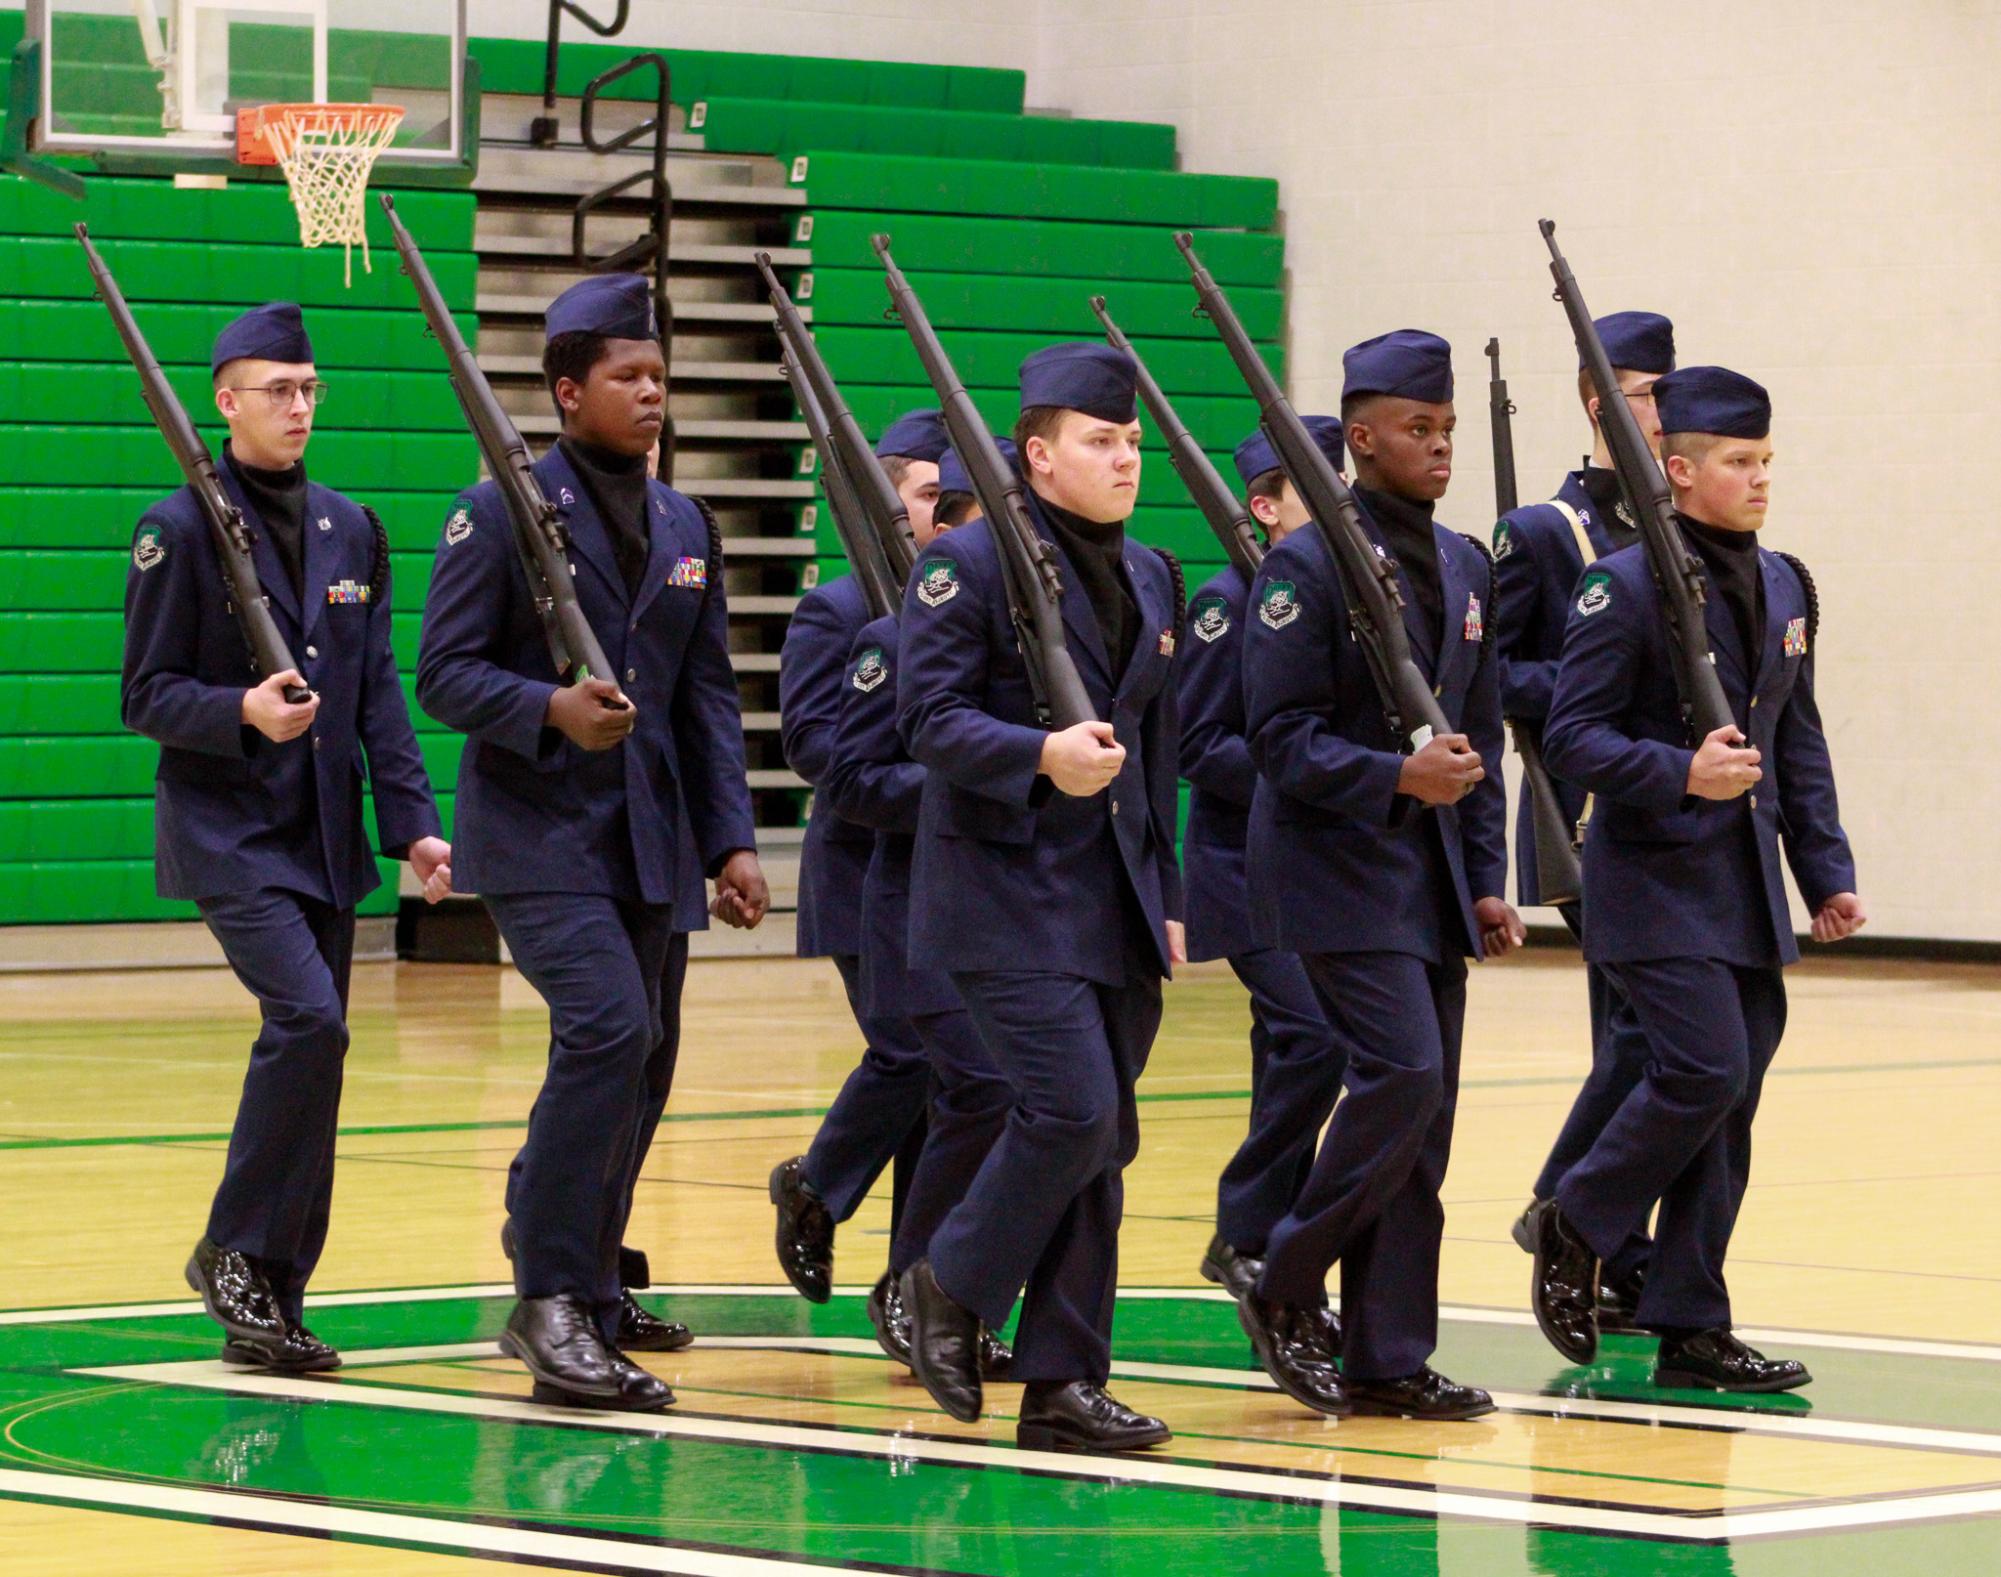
(326, 152)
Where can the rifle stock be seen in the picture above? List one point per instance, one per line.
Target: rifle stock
(268, 653)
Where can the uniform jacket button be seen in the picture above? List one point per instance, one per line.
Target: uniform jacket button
(1115, 807)
(312, 651)
(631, 674)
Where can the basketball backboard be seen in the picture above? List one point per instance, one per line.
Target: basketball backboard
(145, 81)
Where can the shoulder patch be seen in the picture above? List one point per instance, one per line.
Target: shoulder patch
(148, 549)
(1279, 606)
(940, 583)
(1209, 618)
(1594, 594)
(458, 526)
(1504, 539)
(870, 670)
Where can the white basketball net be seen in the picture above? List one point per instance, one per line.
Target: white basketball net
(327, 152)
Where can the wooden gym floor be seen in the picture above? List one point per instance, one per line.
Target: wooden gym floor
(1870, 1246)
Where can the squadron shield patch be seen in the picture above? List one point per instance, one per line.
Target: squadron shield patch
(1209, 618)
(940, 583)
(1595, 594)
(458, 527)
(1279, 606)
(1475, 625)
(689, 572)
(1504, 539)
(147, 549)
(870, 670)
(1796, 637)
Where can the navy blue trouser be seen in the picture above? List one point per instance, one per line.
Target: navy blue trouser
(877, 1117)
(597, 961)
(294, 954)
(1043, 1211)
(969, 1106)
(1372, 1202)
(1296, 1067)
(1682, 1137)
(1618, 1060)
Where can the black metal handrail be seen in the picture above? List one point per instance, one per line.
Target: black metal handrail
(542, 131)
(652, 246)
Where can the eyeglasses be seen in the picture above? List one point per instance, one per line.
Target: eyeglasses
(283, 393)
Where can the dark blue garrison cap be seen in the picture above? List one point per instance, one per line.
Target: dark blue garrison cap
(952, 477)
(273, 332)
(1405, 362)
(1713, 400)
(916, 435)
(1639, 341)
(1255, 455)
(1082, 375)
(618, 306)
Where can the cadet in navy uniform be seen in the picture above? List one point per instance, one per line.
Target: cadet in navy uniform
(1540, 550)
(571, 801)
(1044, 882)
(877, 1118)
(872, 782)
(1684, 900)
(1288, 1030)
(1384, 872)
(257, 808)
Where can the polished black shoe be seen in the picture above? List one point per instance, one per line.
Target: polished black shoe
(1290, 1342)
(1081, 1416)
(886, 1314)
(557, 1340)
(1619, 1305)
(641, 1331)
(1523, 1231)
(944, 1344)
(1427, 1395)
(1717, 1361)
(301, 1352)
(1330, 1330)
(996, 1357)
(805, 1233)
(1564, 1289)
(236, 1295)
(1235, 1273)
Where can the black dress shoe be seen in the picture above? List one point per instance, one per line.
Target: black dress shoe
(301, 1352)
(1717, 1361)
(1235, 1273)
(640, 1331)
(1523, 1231)
(996, 1357)
(892, 1324)
(944, 1344)
(1290, 1343)
(236, 1295)
(1330, 1330)
(1564, 1290)
(557, 1339)
(1426, 1394)
(1081, 1416)
(1619, 1305)
(805, 1233)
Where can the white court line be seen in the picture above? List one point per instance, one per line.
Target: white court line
(1838, 1341)
(1291, 1485)
(279, 1515)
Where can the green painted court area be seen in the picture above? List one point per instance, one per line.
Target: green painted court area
(795, 1442)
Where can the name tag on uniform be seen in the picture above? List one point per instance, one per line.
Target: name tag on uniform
(1796, 637)
(348, 591)
(689, 572)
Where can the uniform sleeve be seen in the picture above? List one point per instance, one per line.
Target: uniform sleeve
(1210, 696)
(947, 661)
(1160, 730)
(869, 780)
(1290, 669)
(1483, 814)
(812, 667)
(404, 807)
(1526, 680)
(159, 695)
(708, 735)
(1816, 847)
(1600, 671)
(461, 680)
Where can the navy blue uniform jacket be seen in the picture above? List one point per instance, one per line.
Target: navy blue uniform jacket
(226, 804)
(1216, 761)
(812, 675)
(1668, 875)
(1340, 861)
(536, 813)
(1010, 874)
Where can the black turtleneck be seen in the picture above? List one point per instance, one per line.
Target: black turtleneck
(1096, 549)
(1601, 486)
(1406, 529)
(1730, 561)
(617, 485)
(278, 499)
